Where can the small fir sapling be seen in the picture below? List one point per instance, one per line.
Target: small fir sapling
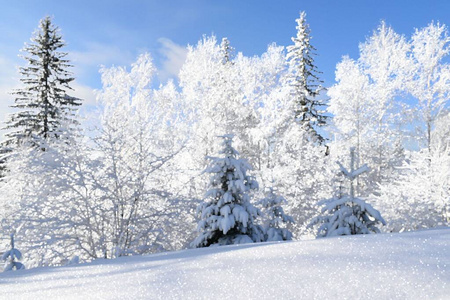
(348, 215)
(276, 219)
(227, 216)
(11, 258)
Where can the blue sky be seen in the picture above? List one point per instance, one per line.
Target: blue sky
(115, 32)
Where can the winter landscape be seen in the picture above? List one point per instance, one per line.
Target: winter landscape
(204, 167)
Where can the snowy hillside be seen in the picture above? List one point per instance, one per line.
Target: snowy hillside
(386, 266)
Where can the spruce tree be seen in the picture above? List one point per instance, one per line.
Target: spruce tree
(43, 106)
(303, 78)
(227, 216)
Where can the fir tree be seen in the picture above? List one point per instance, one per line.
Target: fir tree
(227, 217)
(275, 225)
(11, 258)
(348, 215)
(304, 80)
(43, 104)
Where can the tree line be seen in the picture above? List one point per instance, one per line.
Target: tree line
(132, 183)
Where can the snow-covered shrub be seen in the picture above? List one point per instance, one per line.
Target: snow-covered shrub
(227, 216)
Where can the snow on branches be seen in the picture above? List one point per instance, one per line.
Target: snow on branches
(11, 258)
(227, 217)
(276, 219)
(348, 215)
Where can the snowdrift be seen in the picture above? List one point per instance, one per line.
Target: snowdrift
(412, 265)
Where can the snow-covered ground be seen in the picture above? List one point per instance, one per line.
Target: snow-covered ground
(412, 265)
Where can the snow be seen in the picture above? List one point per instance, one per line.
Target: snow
(414, 265)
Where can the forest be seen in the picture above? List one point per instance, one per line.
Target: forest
(237, 150)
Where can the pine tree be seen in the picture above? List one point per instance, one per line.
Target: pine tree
(228, 216)
(304, 81)
(44, 107)
(348, 215)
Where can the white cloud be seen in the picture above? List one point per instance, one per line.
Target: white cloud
(85, 93)
(175, 55)
(94, 55)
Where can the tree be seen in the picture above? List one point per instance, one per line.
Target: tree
(228, 217)
(352, 109)
(227, 51)
(213, 88)
(348, 215)
(431, 76)
(365, 113)
(276, 218)
(304, 81)
(419, 196)
(107, 195)
(136, 140)
(385, 60)
(11, 258)
(301, 173)
(43, 103)
(37, 188)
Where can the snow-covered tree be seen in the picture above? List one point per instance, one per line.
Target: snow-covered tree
(275, 217)
(266, 112)
(419, 196)
(221, 94)
(303, 78)
(430, 82)
(365, 107)
(136, 139)
(385, 60)
(106, 195)
(227, 215)
(227, 51)
(12, 257)
(348, 215)
(43, 104)
(36, 187)
(301, 174)
(349, 104)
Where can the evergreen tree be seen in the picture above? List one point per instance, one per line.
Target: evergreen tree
(304, 81)
(43, 105)
(277, 219)
(228, 217)
(348, 215)
(227, 51)
(11, 258)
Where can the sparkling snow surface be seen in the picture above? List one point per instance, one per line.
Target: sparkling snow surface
(384, 266)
